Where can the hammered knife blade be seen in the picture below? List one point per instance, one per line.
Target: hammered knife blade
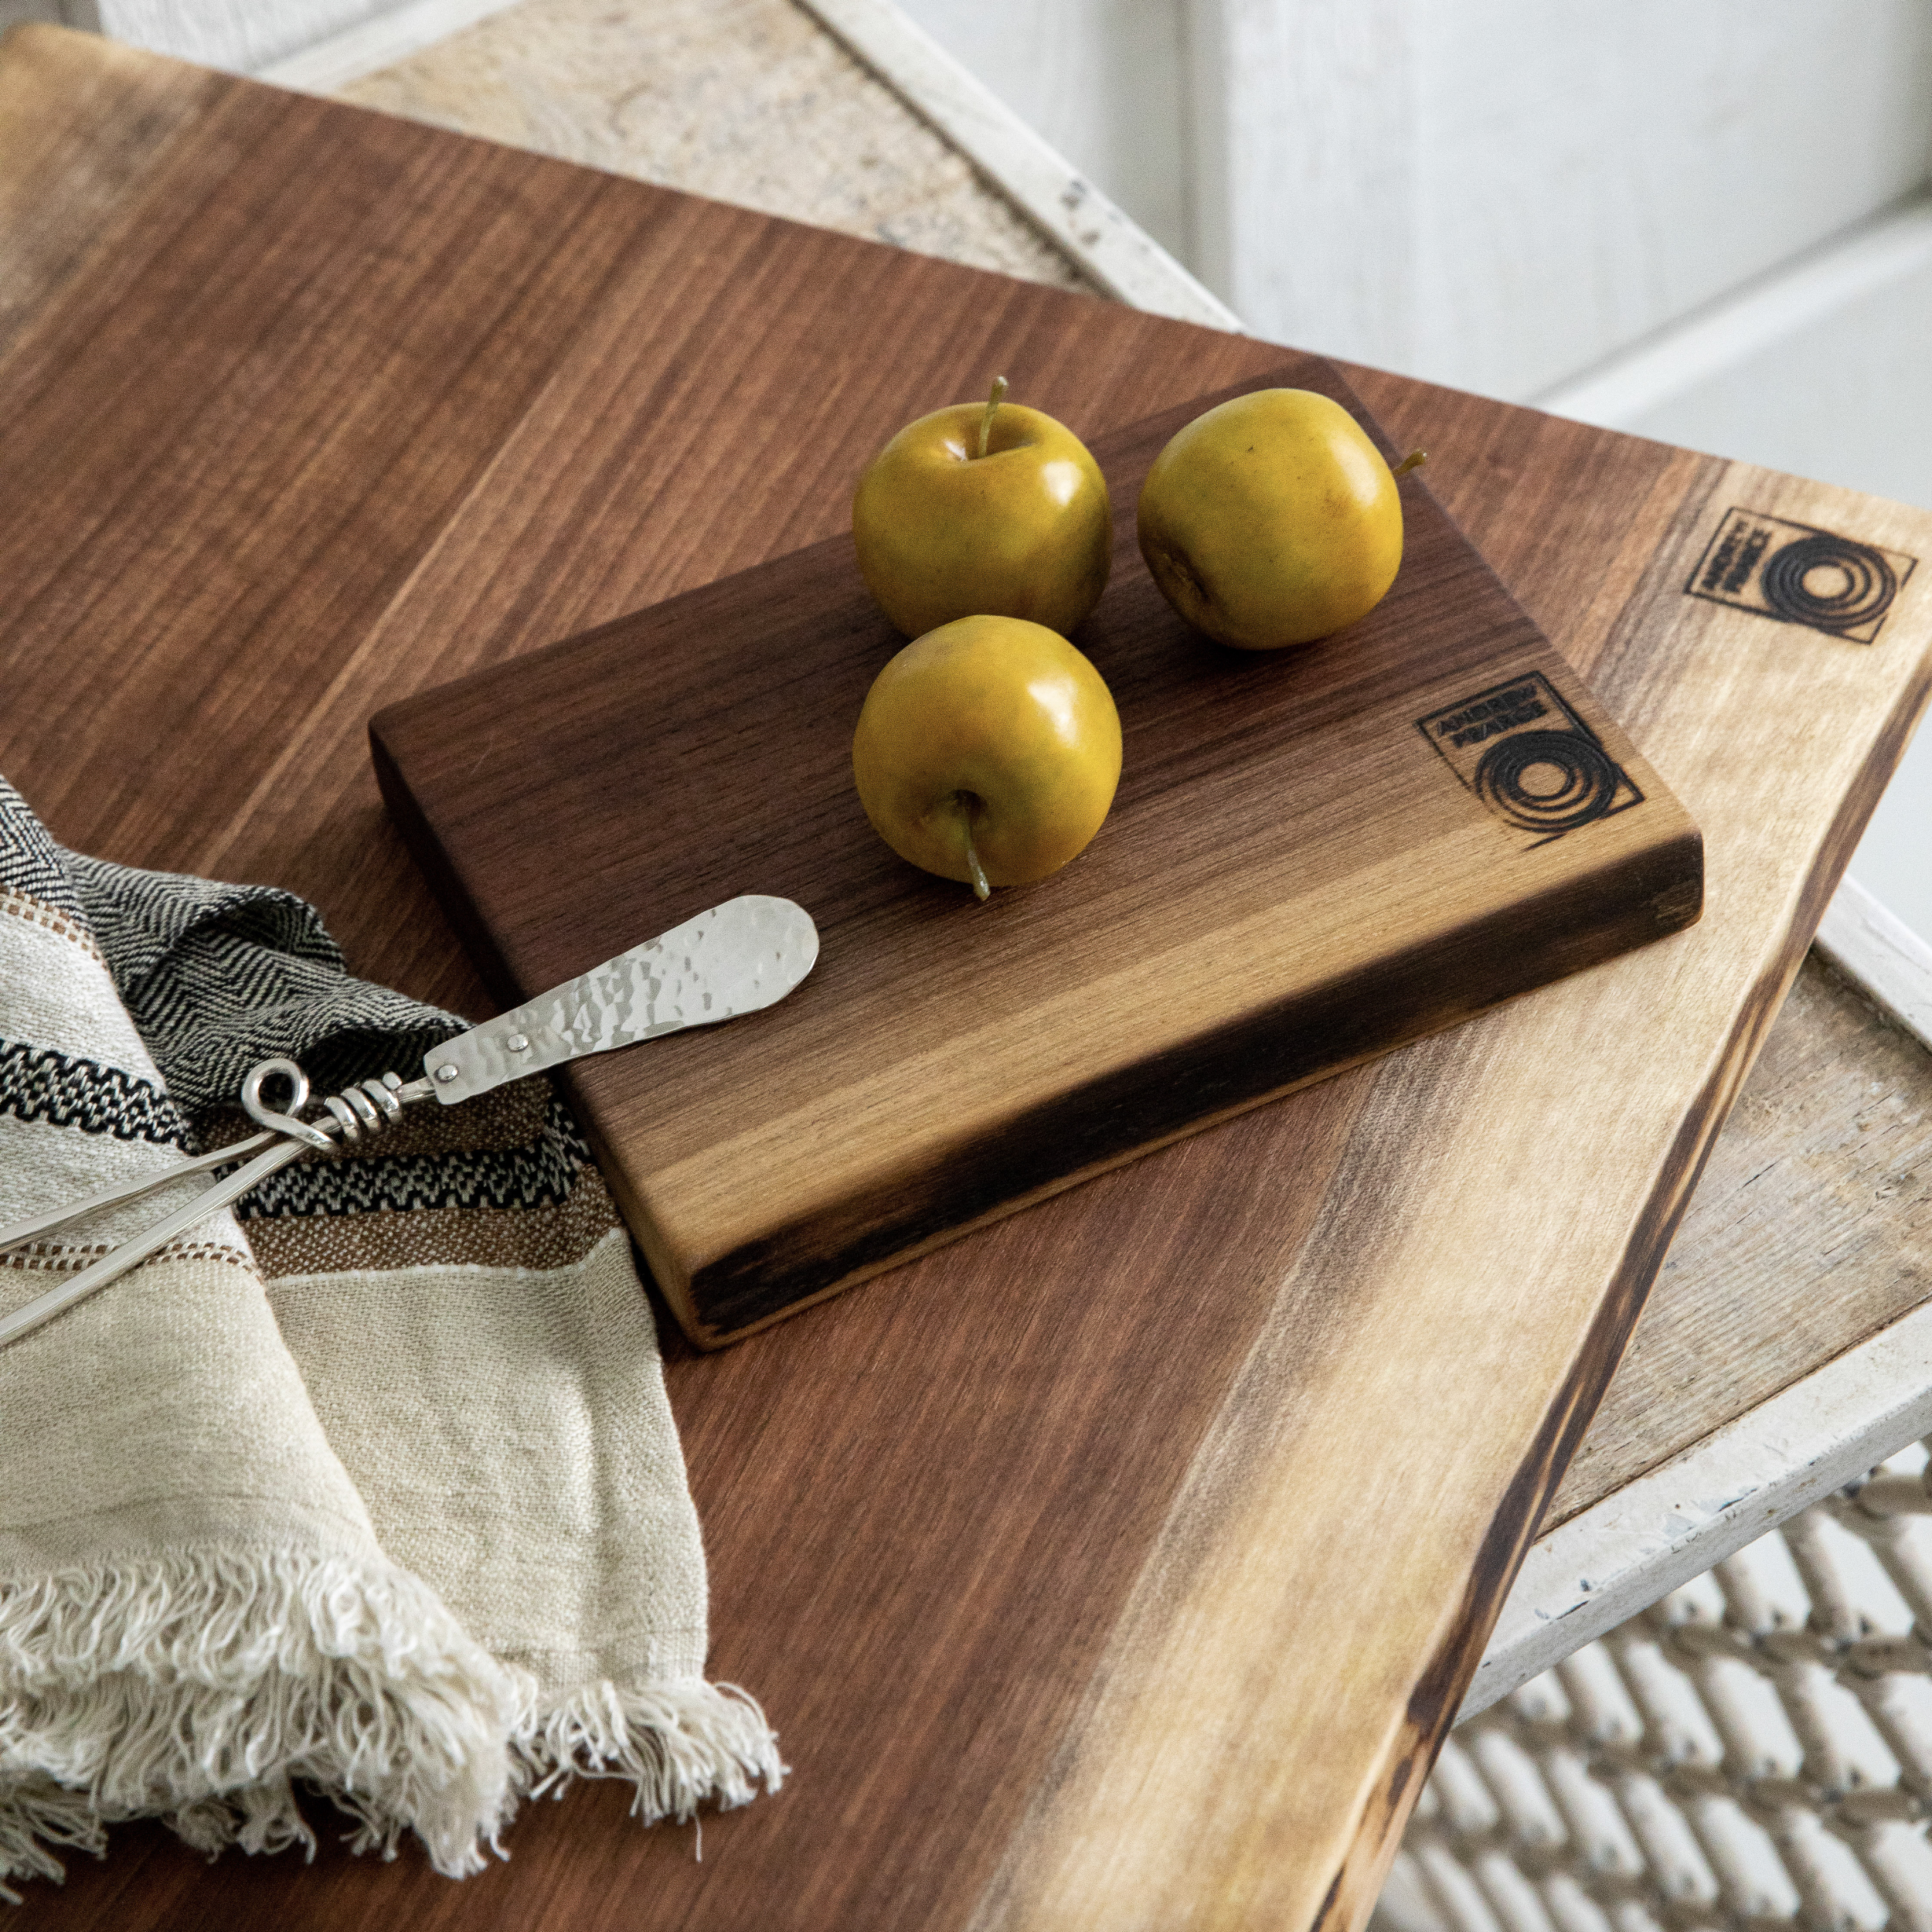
(734, 958)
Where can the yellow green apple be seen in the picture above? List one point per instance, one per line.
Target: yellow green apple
(1272, 520)
(988, 750)
(984, 509)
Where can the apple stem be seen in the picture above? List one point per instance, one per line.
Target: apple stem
(1413, 461)
(986, 424)
(982, 887)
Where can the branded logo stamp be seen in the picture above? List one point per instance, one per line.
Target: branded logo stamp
(1799, 574)
(1530, 759)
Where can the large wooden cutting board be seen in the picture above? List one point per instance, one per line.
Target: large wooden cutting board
(1120, 1566)
(1314, 856)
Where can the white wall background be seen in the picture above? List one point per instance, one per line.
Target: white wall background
(1498, 193)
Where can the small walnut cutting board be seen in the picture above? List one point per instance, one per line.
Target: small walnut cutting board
(1314, 856)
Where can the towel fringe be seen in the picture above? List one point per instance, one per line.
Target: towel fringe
(198, 1685)
(201, 1685)
(35, 1814)
(680, 1743)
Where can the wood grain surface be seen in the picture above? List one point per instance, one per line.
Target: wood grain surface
(1810, 1229)
(1310, 860)
(1119, 1565)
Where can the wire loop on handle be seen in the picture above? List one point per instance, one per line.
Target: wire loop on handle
(258, 1110)
(366, 1108)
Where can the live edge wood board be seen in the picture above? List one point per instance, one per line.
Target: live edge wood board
(1314, 856)
(1120, 1565)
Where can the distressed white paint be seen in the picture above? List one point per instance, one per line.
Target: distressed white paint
(1894, 860)
(1499, 193)
(241, 35)
(1863, 937)
(1495, 194)
(1589, 173)
(1658, 1532)
(1882, 261)
(1843, 393)
(1304, 119)
(1121, 256)
(1104, 81)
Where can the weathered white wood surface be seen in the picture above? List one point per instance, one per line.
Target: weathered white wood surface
(1499, 194)
(1656, 1533)
(320, 66)
(1864, 938)
(1122, 257)
(749, 101)
(239, 35)
(1104, 82)
(1673, 375)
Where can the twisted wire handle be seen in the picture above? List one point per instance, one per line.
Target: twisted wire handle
(369, 1108)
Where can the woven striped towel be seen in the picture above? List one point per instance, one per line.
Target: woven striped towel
(371, 1487)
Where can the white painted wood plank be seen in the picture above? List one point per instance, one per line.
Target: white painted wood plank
(1657, 1533)
(1870, 943)
(1893, 861)
(1305, 158)
(1843, 394)
(1871, 260)
(1103, 81)
(312, 45)
(1499, 194)
(1120, 256)
(1587, 175)
(239, 35)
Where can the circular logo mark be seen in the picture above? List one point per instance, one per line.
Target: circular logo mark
(1548, 781)
(1828, 582)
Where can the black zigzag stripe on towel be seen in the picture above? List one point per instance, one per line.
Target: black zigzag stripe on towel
(542, 1173)
(38, 1083)
(219, 976)
(30, 862)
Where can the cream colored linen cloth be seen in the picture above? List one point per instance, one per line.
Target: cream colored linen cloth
(375, 1489)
